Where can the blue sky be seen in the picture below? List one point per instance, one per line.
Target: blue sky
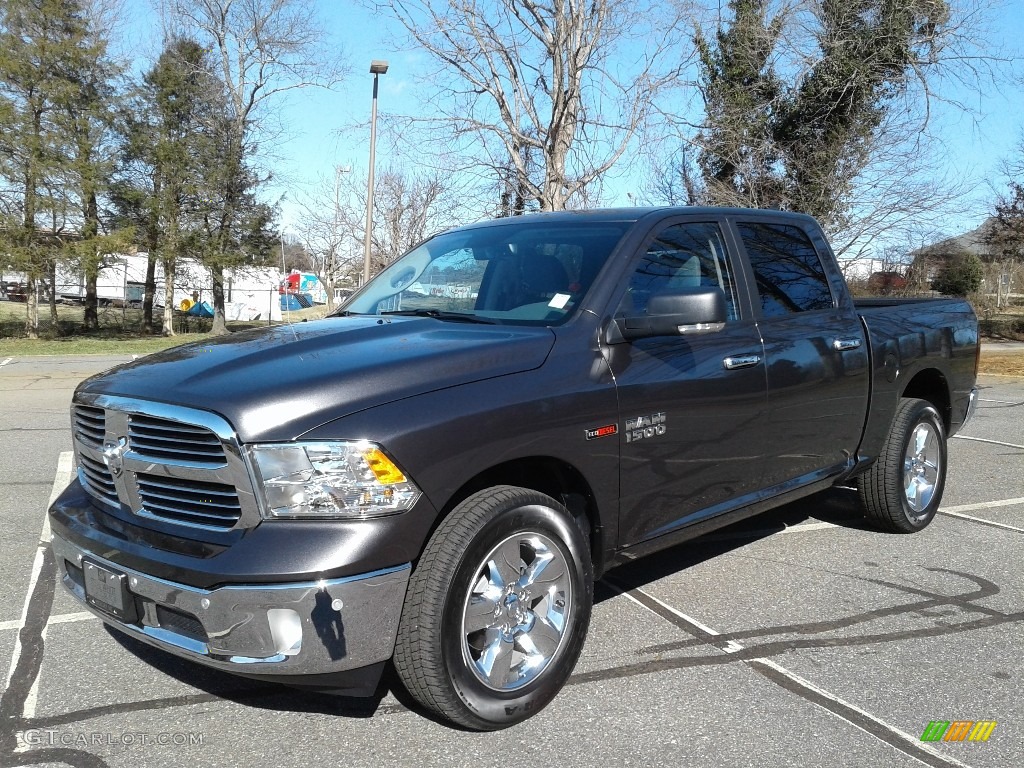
(324, 129)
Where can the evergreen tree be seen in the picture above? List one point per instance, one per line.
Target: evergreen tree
(55, 84)
(85, 120)
(170, 151)
(803, 145)
(262, 48)
(33, 38)
(959, 276)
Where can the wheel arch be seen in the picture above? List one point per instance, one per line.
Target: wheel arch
(931, 385)
(548, 475)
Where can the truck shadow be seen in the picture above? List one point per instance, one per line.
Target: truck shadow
(251, 693)
(836, 506)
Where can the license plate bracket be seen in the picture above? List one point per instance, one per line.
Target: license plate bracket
(108, 591)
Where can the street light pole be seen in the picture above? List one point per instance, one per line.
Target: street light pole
(377, 68)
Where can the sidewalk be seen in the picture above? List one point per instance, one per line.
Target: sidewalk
(1002, 347)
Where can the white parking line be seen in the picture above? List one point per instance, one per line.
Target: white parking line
(983, 440)
(5, 361)
(63, 618)
(841, 708)
(730, 646)
(60, 482)
(958, 511)
(992, 523)
(983, 505)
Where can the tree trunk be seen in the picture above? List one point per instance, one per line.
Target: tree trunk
(147, 301)
(31, 309)
(328, 283)
(53, 296)
(220, 325)
(91, 319)
(90, 230)
(168, 329)
(152, 246)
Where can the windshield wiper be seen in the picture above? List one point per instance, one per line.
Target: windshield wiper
(458, 317)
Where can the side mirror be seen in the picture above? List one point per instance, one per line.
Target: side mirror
(685, 311)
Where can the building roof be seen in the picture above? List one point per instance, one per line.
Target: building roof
(975, 242)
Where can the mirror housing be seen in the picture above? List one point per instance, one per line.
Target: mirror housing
(684, 311)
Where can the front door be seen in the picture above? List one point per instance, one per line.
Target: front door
(691, 407)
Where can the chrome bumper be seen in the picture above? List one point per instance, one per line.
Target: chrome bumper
(972, 406)
(307, 628)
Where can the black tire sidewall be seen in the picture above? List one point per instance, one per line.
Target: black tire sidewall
(498, 709)
(923, 413)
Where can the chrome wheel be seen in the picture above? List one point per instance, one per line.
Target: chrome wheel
(497, 609)
(514, 616)
(922, 467)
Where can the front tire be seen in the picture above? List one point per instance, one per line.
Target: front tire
(902, 490)
(497, 609)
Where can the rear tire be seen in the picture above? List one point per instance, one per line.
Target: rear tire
(497, 609)
(902, 490)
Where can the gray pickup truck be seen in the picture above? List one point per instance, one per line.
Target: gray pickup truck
(436, 475)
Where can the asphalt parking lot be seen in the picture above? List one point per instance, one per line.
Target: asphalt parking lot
(801, 638)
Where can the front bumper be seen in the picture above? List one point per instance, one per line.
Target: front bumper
(305, 630)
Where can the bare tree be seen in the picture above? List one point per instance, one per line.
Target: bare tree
(534, 90)
(672, 179)
(410, 207)
(331, 233)
(263, 48)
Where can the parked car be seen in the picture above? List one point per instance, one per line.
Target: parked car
(437, 478)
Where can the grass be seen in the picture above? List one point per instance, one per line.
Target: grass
(1002, 363)
(120, 331)
(94, 345)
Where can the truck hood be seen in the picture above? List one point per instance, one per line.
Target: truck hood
(278, 383)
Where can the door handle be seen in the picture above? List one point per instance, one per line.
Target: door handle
(842, 345)
(741, 361)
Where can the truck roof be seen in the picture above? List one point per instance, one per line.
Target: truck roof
(596, 215)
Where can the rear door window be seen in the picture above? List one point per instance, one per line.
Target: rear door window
(787, 269)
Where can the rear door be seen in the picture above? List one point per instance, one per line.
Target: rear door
(816, 353)
(691, 408)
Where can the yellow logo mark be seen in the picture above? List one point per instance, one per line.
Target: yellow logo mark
(982, 730)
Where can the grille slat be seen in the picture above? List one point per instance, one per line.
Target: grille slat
(189, 501)
(90, 425)
(162, 439)
(99, 479)
(154, 490)
(172, 511)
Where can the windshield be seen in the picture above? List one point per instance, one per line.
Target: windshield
(530, 273)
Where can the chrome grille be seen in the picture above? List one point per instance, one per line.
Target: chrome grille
(98, 479)
(189, 501)
(165, 440)
(174, 466)
(90, 425)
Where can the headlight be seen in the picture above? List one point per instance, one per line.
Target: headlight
(330, 480)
